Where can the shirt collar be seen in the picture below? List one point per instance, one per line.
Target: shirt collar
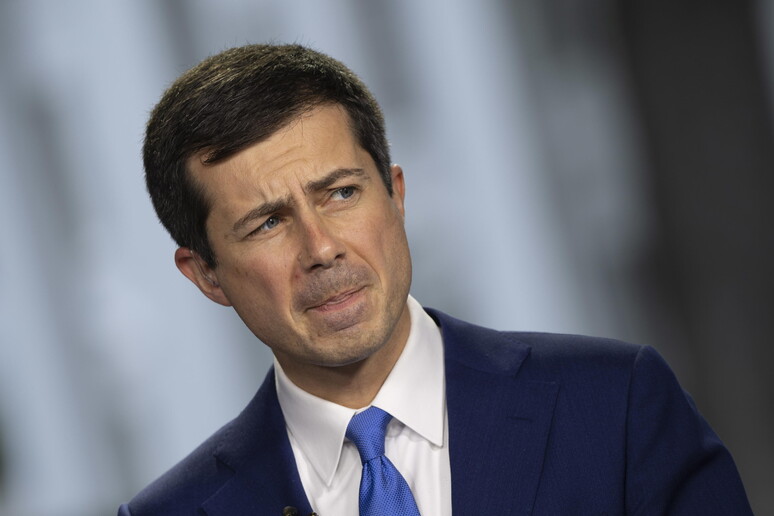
(413, 393)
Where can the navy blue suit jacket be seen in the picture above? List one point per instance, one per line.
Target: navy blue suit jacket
(539, 424)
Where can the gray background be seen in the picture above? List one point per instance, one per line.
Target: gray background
(599, 167)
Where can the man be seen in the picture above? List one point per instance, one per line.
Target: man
(270, 168)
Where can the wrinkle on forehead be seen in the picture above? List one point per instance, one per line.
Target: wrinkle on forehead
(296, 156)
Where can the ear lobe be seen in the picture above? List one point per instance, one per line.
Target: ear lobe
(202, 275)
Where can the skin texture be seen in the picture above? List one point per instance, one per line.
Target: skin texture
(312, 254)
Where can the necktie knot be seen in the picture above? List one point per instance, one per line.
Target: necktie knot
(367, 430)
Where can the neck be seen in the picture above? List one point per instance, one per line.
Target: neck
(353, 385)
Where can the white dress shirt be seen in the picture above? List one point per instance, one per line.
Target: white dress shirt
(417, 439)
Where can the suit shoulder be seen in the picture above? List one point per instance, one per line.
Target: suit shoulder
(559, 346)
(581, 357)
(551, 353)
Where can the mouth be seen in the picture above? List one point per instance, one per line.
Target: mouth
(339, 301)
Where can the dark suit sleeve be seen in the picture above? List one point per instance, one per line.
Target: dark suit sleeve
(124, 510)
(676, 464)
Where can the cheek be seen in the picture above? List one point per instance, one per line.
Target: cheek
(257, 281)
(385, 238)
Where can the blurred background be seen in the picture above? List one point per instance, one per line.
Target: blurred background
(600, 167)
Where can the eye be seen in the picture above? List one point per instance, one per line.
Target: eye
(269, 223)
(344, 192)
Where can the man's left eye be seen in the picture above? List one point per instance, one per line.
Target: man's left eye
(345, 192)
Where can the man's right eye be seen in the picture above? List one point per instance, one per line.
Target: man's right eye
(268, 224)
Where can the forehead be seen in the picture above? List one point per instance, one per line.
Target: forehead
(312, 145)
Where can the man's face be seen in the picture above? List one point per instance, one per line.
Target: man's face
(311, 248)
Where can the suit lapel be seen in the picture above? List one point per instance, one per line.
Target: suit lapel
(257, 450)
(499, 421)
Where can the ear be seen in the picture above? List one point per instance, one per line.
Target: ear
(398, 187)
(202, 275)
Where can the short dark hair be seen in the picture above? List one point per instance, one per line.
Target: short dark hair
(234, 99)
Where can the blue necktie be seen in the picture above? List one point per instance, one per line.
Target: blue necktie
(383, 490)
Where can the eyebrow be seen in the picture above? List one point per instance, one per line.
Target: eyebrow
(328, 180)
(316, 185)
(263, 210)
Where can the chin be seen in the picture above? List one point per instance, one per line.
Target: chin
(349, 350)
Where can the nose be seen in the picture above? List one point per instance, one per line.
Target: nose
(320, 248)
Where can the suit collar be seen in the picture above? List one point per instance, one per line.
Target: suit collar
(499, 421)
(257, 450)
